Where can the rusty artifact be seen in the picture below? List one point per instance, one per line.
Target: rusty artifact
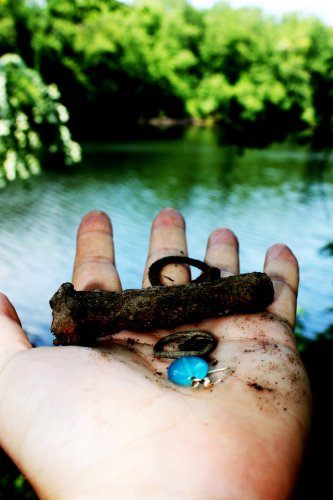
(80, 317)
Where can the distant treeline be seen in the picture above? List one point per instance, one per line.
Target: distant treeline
(119, 64)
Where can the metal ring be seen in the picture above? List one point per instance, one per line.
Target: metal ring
(209, 273)
(192, 343)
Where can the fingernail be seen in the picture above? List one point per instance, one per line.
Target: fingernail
(96, 220)
(169, 216)
(279, 250)
(223, 235)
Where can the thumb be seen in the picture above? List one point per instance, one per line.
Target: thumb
(12, 337)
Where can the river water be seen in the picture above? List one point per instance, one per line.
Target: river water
(280, 194)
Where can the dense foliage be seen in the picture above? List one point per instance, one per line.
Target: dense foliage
(118, 64)
(32, 122)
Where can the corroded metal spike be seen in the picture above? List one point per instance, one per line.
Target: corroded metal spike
(79, 317)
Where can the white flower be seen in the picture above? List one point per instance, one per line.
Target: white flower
(21, 138)
(33, 139)
(22, 170)
(4, 127)
(22, 122)
(63, 113)
(33, 164)
(3, 92)
(10, 165)
(10, 58)
(75, 152)
(64, 134)
(53, 91)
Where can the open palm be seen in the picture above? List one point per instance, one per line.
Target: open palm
(105, 421)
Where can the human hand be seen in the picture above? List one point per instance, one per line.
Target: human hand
(105, 422)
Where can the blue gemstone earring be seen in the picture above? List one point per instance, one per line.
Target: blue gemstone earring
(193, 371)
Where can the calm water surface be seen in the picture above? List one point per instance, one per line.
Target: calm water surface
(280, 194)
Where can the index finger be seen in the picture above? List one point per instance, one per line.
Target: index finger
(94, 265)
(282, 266)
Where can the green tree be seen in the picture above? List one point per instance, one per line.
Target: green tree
(255, 81)
(120, 64)
(126, 62)
(319, 65)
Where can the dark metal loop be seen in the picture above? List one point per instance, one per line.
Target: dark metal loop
(191, 343)
(209, 273)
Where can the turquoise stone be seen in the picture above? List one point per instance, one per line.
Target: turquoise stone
(183, 370)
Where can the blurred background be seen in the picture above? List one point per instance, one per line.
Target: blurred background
(222, 110)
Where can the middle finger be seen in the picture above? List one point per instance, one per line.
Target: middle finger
(168, 238)
(222, 252)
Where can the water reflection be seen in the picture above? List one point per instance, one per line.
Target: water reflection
(265, 195)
